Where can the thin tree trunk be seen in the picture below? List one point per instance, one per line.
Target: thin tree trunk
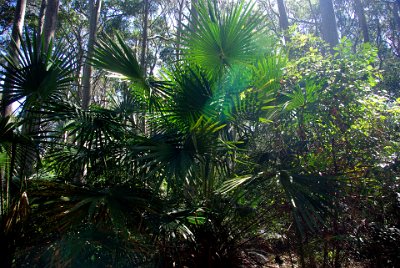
(396, 8)
(50, 21)
(325, 254)
(396, 28)
(329, 26)
(359, 9)
(18, 24)
(144, 36)
(95, 7)
(314, 15)
(283, 18)
(193, 13)
(41, 17)
(41, 23)
(143, 61)
(179, 29)
(80, 60)
(32, 125)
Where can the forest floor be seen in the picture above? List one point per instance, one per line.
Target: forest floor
(288, 262)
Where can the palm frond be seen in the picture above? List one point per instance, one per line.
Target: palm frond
(18, 148)
(193, 97)
(310, 197)
(120, 60)
(93, 138)
(216, 42)
(304, 94)
(111, 223)
(37, 75)
(117, 58)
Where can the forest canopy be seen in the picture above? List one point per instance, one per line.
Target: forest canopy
(200, 133)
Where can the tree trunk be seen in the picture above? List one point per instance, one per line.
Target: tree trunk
(359, 9)
(315, 16)
(41, 17)
(31, 126)
(396, 8)
(50, 21)
(80, 60)
(95, 7)
(18, 24)
(329, 26)
(179, 30)
(193, 13)
(283, 18)
(41, 23)
(395, 27)
(144, 36)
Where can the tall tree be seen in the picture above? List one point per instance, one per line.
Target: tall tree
(41, 17)
(95, 7)
(50, 21)
(395, 36)
(41, 23)
(359, 9)
(328, 23)
(283, 18)
(193, 11)
(14, 47)
(396, 16)
(144, 35)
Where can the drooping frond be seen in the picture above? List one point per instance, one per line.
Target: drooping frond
(117, 58)
(120, 60)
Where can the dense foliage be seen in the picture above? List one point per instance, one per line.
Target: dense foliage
(237, 151)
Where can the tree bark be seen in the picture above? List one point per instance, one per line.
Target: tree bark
(359, 9)
(283, 18)
(95, 7)
(193, 13)
(179, 29)
(314, 15)
(50, 21)
(41, 17)
(144, 36)
(396, 8)
(329, 26)
(41, 23)
(15, 43)
(395, 27)
(31, 126)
